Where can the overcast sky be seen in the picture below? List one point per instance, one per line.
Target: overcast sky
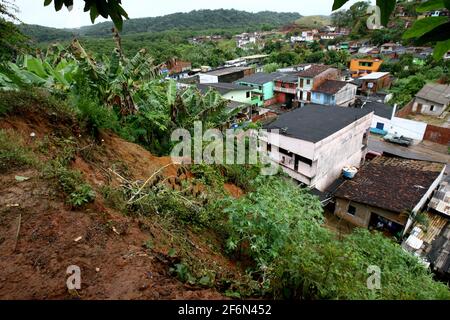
(34, 12)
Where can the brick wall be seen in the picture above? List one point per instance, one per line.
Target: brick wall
(437, 134)
(405, 111)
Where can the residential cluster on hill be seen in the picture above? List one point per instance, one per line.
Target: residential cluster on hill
(336, 132)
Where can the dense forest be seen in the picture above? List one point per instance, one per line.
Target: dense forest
(191, 21)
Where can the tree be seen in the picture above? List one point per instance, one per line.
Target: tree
(12, 41)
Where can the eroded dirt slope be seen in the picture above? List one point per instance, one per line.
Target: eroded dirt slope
(41, 236)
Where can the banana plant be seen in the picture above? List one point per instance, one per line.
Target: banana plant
(37, 72)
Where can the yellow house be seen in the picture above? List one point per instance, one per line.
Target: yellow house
(362, 67)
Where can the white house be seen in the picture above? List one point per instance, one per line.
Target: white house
(432, 100)
(385, 121)
(314, 143)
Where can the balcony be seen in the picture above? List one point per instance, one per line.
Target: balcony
(286, 90)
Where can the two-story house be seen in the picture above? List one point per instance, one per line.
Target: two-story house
(263, 85)
(314, 143)
(312, 78)
(335, 93)
(361, 67)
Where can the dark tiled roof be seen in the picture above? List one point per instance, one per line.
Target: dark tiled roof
(390, 183)
(380, 109)
(237, 105)
(291, 77)
(313, 71)
(228, 70)
(331, 86)
(261, 77)
(223, 88)
(315, 122)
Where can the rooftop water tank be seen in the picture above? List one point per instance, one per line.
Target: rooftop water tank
(349, 172)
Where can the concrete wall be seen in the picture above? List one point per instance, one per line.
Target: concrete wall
(346, 95)
(344, 148)
(364, 213)
(322, 98)
(239, 96)
(206, 78)
(408, 128)
(328, 156)
(438, 109)
(378, 119)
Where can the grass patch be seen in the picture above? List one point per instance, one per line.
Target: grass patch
(71, 182)
(13, 152)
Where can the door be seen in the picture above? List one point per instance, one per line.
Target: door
(419, 108)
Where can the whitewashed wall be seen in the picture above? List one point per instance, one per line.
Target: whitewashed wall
(408, 128)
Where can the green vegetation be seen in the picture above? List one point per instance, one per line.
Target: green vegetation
(411, 77)
(296, 257)
(12, 41)
(309, 22)
(13, 152)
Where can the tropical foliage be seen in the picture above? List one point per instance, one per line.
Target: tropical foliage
(296, 257)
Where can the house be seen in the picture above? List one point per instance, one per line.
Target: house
(382, 116)
(387, 193)
(375, 81)
(334, 92)
(225, 75)
(432, 100)
(312, 78)
(245, 110)
(314, 143)
(286, 89)
(389, 47)
(262, 84)
(360, 67)
(431, 242)
(177, 69)
(257, 59)
(230, 91)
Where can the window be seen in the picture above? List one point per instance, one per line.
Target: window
(308, 82)
(269, 147)
(351, 210)
(380, 126)
(304, 160)
(285, 152)
(431, 108)
(248, 94)
(301, 83)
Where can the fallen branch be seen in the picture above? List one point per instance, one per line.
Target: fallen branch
(18, 232)
(146, 182)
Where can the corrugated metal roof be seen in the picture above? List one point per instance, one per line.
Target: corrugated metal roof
(441, 199)
(435, 92)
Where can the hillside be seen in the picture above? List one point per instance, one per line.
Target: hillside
(191, 21)
(313, 21)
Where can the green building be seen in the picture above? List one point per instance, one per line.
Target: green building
(263, 85)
